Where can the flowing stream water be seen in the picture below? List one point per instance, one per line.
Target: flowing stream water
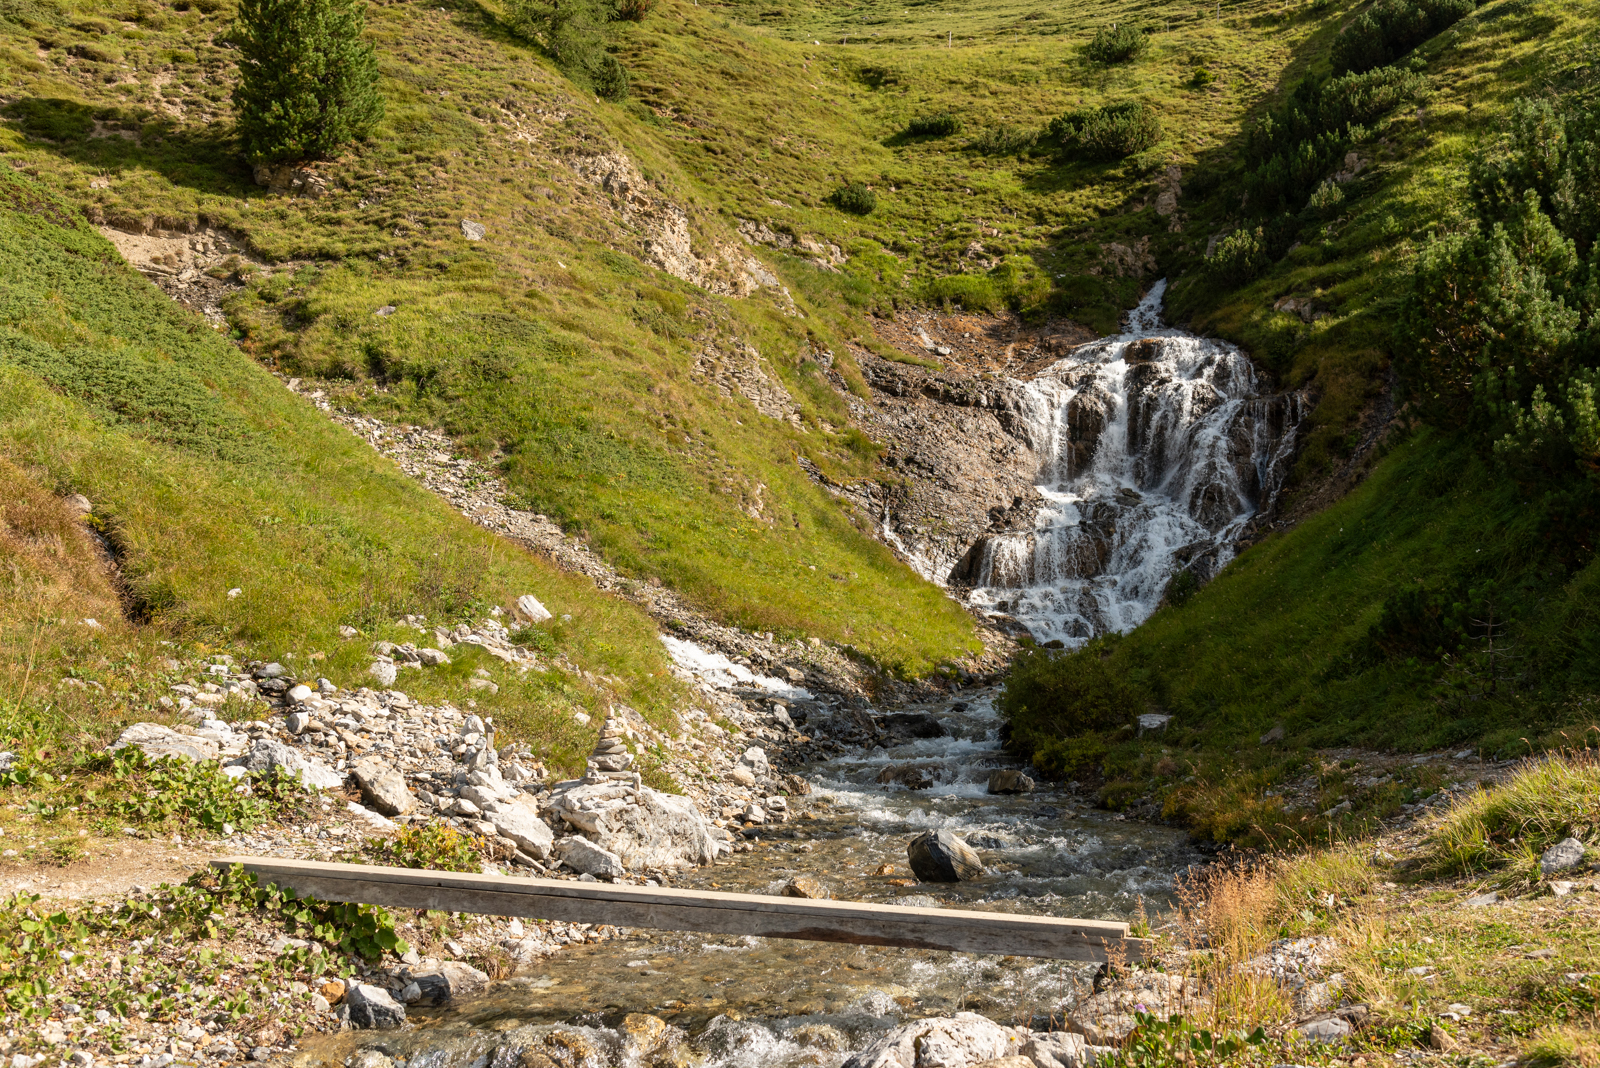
(748, 1002)
(1158, 447)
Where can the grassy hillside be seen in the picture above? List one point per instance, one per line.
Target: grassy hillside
(205, 475)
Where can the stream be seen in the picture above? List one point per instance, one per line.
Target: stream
(743, 1002)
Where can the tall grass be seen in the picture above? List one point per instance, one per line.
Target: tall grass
(1509, 826)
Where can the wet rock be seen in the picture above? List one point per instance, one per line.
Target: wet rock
(1009, 781)
(438, 981)
(521, 824)
(641, 1033)
(941, 857)
(374, 1007)
(807, 887)
(371, 1058)
(906, 727)
(383, 786)
(963, 1039)
(1567, 853)
(582, 855)
(266, 754)
(911, 776)
(157, 741)
(820, 1036)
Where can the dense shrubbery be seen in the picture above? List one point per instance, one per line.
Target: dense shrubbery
(1003, 140)
(1239, 257)
(574, 33)
(308, 83)
(1058, 703)
(1501, 331)
(1298, 144)
(1391, 28)
(1107, 133)
(855, 198)
(1117, 45)
(943, 124)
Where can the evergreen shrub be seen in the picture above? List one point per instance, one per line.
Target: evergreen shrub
(1117, 45)
(854, 198)
(1107, 133)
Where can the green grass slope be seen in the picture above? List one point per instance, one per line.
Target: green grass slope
(206, 475)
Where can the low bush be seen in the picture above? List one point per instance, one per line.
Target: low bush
(1113, 132)
(854, 198)
(1004, 140)
(610, 78)
(1240, 257)
(633, 10)
(1054, 698)
(1391, 28)
(943, 124)
(435, 847)
(1117, 44)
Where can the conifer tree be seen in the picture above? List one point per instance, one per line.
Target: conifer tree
(308, 82)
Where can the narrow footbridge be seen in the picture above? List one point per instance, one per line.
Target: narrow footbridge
(703, 911)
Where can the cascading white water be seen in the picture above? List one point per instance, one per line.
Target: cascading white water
(1157, 450)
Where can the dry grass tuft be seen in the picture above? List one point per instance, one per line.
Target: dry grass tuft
(1509, 827)
(1564, 1046)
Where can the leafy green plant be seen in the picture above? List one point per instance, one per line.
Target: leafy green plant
(1117, 44)
(1107, 133)
(1177, 1043)
(1201, 78)
(434, 846)
(367, 930)
(944, 124)
(1062, 695)
(308, 83)
(172, 790)
(854, 198)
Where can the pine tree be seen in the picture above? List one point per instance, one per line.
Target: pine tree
(308, 82)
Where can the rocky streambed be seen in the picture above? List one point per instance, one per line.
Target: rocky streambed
(644, 997)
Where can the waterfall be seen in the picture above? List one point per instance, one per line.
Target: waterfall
(1156, 449)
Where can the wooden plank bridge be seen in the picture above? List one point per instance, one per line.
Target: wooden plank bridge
(702, 911)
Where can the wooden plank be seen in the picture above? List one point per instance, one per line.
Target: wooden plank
(704, 911)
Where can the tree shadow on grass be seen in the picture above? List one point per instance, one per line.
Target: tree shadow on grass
(114, 139)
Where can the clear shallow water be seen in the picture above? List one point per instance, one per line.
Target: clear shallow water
(777, 1003)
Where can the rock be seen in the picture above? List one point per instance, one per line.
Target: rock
(644, 828)
(582, 855)
(1007, 1062)
(1274, 735)
(1567, 853)
(953, 1041)
(754, 813)
(438, 981)
(1561, 887)
(1009, 781)
(1325, 1029)
(1440, 1039)
(333, 990)
(383, 672)
(941, 857)
(1055, 1049)
(157, 741)
(906, 727)
(299, 693)
(742, 775)
(373, 1007)
(383, 786)
(1153, 721)
(297, 722)
(641, 1033)
(911, 776)
(383, 313)
(1107, 1017)
(370, 819)
(1338, 810)
(273, 670)
(520, 823)
(432, 657)
(473, 231)
(488, 685)
(347, 631)
(1478, 901)
(806, 886)
(528, 609)
(266, 754)
(755, 758)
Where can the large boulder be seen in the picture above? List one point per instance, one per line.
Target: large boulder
(373, 1007)
(1105, 1018)
(157, 741)
(520, 822)
(582, 855)
(643, 827)
(947, 1041)
(941, 857)
(267, 754)
(441, 980)
(903, 727)
(383, 786)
